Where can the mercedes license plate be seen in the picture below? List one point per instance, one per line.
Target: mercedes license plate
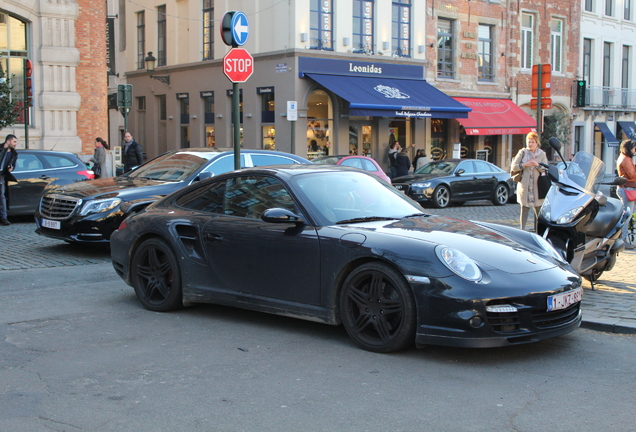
(51, 224)
(564, 300)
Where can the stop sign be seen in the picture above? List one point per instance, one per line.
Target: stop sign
(238, 65)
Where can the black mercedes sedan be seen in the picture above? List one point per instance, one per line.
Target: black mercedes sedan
(89, 212)
(455, 181)
(340, 246)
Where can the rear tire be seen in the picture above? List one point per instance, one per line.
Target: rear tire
(501, 195)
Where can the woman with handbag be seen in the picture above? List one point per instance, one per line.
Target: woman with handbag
(625, 168)
(99, 158)
(527, 161)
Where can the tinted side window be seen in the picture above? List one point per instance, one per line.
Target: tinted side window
(224, 164)
(264, 160)
(355, 162)
(208, 199)
(467, 167)
(368, 165)
(482, 167)
(57, 161)
(28, 162)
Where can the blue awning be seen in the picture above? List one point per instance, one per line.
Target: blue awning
(629, 128)
(390, 97)
(610, 139)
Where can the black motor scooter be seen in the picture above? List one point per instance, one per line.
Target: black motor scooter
(579, 221)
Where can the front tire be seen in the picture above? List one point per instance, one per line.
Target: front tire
(377, 308)
(441, 197)
(156, 276)
(501, 195)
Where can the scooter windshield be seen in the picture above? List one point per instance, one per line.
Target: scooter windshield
(586, 171)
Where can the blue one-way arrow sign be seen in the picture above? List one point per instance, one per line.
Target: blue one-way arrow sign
(240, 28)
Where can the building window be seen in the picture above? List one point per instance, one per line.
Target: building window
(267, 108)
(485, 67)
(556, 42)
(609, 7)
(141, 39)
(13, 52)
(607, 71)
(445, 50)
(627, 10)
(208, 29)
(625, 71)
(578, 139)
(363, 26)
(161, 103)
(141, 103)
(161, 35)
(321, 25)
(527, 39)
(208, 107)
(587, 60)
(184, 108)
(589, 5)
(401, 28)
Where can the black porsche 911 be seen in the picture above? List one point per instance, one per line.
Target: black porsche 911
(455, 181)
(339, 246)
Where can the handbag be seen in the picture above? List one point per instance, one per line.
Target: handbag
(631, 194)
(543, 185)
(516, 175)
(97, 169)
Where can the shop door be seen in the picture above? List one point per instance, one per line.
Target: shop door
(360, 138)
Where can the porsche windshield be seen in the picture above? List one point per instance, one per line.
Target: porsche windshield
(173, 167)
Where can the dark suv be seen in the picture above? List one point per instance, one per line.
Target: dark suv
(89, 212)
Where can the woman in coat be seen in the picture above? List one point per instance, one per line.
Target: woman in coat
(528, 160)
(625, 168)
(402, 163)
(99, 158)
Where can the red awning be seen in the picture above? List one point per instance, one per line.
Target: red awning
(495, 117)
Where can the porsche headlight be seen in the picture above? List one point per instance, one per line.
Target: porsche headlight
(459, 263)
(98, 206)
(548, 248)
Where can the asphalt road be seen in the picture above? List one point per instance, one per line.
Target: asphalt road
(78, 353)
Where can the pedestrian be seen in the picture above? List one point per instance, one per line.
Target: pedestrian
(402, 163)
(625, 167)
(420, 159)
(133, 154)
(8, 158)
(393, 151)
(99, 158)
(527, 161)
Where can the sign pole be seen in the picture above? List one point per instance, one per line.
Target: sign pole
(236, 118)
(26, 108)
(539, 101)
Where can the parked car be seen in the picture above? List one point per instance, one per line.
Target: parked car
(37, 169)
(361, 162)
(455, 181)
(339, 246)
(92, 210)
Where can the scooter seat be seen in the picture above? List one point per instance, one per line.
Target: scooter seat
(606, 218)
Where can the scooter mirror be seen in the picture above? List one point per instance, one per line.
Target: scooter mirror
(619, 181)
(555, 143)
(602, 199)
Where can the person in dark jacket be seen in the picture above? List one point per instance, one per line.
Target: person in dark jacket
(402, 163)
(132, 153)
(8, 158)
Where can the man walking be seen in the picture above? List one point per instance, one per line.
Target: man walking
(133, 154)
(8, 158)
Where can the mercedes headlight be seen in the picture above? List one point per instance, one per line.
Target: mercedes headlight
(422, 185)
(100, 205)
(548, 248)
(459, 263)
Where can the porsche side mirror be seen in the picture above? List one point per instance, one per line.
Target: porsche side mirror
(279, 215)
(205, 175)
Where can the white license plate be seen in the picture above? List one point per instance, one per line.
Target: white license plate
(51, 224)
(564, 300)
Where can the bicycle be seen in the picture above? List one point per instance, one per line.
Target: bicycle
(631, 231)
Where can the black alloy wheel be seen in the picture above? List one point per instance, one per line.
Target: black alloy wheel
(377, 308)
(501, 195)
(441, 196)
(156, 276)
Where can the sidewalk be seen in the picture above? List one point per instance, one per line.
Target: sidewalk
(610, 307)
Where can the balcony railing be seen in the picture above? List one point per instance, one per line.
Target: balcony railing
(610, 97)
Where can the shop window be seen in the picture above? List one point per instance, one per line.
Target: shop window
(161, 103)
(438, 139)
(269, 137)
(13, 52)
(210, 137)
(319, 124)
(267, 107)
(185, 136)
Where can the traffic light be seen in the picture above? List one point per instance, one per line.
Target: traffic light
(581, 87)
(28, 82)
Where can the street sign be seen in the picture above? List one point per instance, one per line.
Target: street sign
(546, 103)
(546, 80)
(124, 96)
(235, 28)
(292, 110)
(238, 65)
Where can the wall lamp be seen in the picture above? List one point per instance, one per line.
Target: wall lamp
(303, 37)
(150, 68)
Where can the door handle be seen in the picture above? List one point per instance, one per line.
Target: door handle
(44, 177)
(213, 237)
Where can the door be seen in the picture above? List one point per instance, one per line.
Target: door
(33, 176)
(486, 180)
(464, 185)
(277, 260)
(360, 138)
